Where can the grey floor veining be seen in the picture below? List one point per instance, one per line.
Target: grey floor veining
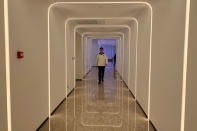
(92, 107)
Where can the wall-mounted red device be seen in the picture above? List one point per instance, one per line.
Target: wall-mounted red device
(20, 54)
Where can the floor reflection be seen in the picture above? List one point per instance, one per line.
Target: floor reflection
(92, 107)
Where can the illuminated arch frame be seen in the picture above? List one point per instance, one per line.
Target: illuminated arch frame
(122, 50)
(113, 35)
(97, 35)
(94, 26)
(113, 18)
(116, 37)
(107, 26)
(88, 26)
(145, 3)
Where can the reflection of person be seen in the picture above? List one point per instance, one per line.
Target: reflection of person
(101, 94)
(101, 61)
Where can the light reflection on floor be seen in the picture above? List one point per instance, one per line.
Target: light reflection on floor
(92, 107)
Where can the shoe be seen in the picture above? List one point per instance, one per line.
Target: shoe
(99, 82)
(102, 80)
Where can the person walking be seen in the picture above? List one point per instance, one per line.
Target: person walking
(101, 61)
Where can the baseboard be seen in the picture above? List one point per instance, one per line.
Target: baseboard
(54, 110)
(58, 106)
(151, 123)
(125, 83)
(131, 93)
(141, 109)
(87, 73)
(70, 92)
(42, 124)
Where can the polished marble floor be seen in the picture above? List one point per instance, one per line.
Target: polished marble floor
(105, 107)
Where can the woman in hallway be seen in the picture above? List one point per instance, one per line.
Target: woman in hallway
(101, 61)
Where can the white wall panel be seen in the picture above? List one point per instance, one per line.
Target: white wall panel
(58, 78)
(126, 58)
(79, 57)
(133, 48)
(143, 57)
(29, 84)
(167, 64)
(94, 51)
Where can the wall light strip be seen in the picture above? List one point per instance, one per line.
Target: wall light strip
(49, 70)
(150, 62)
(7, 62)
(185, 65)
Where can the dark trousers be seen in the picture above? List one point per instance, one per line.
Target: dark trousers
(101, 70)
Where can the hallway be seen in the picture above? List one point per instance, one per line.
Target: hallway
(48, 55)
(105, 107)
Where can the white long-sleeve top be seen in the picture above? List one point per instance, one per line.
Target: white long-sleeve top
(101, 60)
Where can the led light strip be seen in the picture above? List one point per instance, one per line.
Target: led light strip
(7, 62)
(185, 65)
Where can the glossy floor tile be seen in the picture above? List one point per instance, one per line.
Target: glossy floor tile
(105, 107)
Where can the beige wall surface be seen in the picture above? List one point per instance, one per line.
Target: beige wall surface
(71, 53)
(122, 57)
(79, 57)
(143, 58)
(58, 59)
(191, 89)
(94, 51)
(133, 50)
(3, 96)
(167, 64)
(118, 56)
(84, 55)
(126, 57)
(29, 76)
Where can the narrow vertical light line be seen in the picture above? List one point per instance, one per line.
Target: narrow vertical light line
(66, 79)
(136, 57)
(7, 63)
(49, 73)
(135, 123)
(186, 41)
(123, 58)
(129, 60)
(66, 66)
(128, 108)
(74, 58)
(150, 62)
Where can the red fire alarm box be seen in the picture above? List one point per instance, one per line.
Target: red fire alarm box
(20, 54)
